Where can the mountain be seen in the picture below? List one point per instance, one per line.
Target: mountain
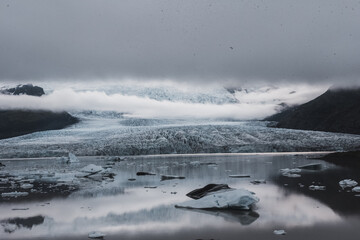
(337, 110)
(19, 122)
(27, 89)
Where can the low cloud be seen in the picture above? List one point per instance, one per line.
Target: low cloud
(135, 106)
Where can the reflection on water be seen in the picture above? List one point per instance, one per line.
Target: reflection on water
(126, 208)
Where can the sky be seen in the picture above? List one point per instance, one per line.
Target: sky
(66, 46)
(231, 42)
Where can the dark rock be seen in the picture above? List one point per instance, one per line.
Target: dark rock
(313, 166)
(145, 174)
(170, 177)
(132, 179)
(346, 159)
(27, 89)
(337, 110)
(19, 122)
(25, 222)
(201, 192)
(239, 176)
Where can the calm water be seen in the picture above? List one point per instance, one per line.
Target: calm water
(125, 209)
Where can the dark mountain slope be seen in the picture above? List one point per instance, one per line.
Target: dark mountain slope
(337, 110)
(19, 122)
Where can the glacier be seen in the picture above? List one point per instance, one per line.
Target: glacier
(120, 136)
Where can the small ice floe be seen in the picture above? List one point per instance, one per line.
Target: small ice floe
(312, 166)
(279, 232)
(232, 199)
(317, 188)
(91, 168)
(290, 172)
(96, 235)
(14, 194)
(26, 186)
(256, 182)
(195, 163)
(145, 174)
(239, 176)
(356, 189)
(72, 158)
(116, 158)
(347, 183)
(9, 227)
(170, 177)
(208, 189)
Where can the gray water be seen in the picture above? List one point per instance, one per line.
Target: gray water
(125, 209)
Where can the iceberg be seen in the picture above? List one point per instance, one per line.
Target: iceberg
(96, 235)
(232, 199)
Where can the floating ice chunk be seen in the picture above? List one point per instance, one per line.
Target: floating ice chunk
(195, 163)
(14, 194)
(170, 177)
(317, 188)
(290, 172)
(96, 235)
(72, 158)
(27, 186)
(9, 227)
(279, 232)
(91, 168)
(234, 199)
(256, 181)
(356, 189)
(347, 183)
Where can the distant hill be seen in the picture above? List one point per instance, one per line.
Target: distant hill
(19, 122)
(337, 110)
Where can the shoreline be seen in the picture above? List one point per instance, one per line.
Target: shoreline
(103, 157)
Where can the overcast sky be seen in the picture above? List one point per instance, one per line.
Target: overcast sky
(241, 41)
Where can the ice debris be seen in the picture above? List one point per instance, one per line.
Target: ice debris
(92, 168)
(290, 172)
(356, 189)
(257, 181)
(232, 199)
(14, 194)
(26, 185)
(72, 158)
(96, 235)
(279, 232)
(317, 188)
(347, 183)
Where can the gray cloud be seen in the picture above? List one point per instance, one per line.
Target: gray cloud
(235, 41)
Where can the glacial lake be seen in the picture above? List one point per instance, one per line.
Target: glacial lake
(144, 206)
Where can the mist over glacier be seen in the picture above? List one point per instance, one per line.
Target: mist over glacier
(168, 100)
